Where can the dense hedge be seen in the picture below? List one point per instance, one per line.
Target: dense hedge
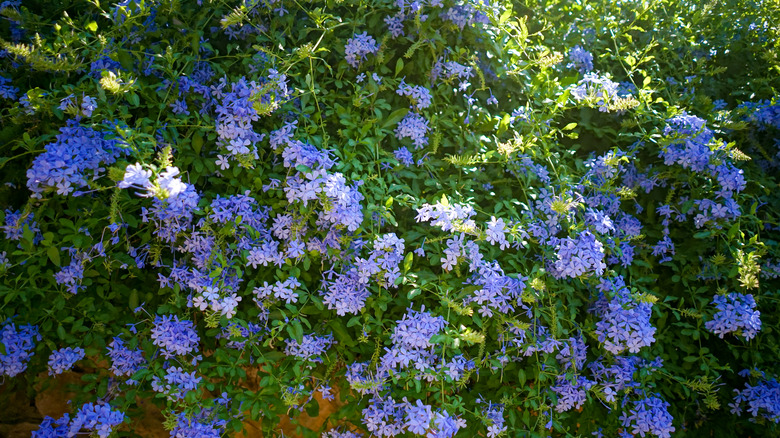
(547, 218)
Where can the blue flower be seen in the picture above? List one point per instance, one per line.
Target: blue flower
(736, 314)
(581, 59)
(358, 47)
(63, 359)
(19, 344)
(648, 415)
(173, 336)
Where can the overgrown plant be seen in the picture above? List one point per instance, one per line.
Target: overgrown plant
(458, 217)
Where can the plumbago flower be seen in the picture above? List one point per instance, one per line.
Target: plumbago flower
(310, 348)
(736, 314)
(124, 361)
(571, 392)
(99, 419)
(579, 256)
(176, 383)
(174, 337)
(415, 127)
(348, 291)
(762, 399)
(77, 156)
(63, 359)
(648, 415)
(602, 93)
(448, 216)
(411, 342)
(174, 201)
(18, 344)
(625, 322)
(581, 59)
(358, 47)
(199, 425)
(301, 220)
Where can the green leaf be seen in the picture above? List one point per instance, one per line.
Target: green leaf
(92, 26)
(54, 255)
(313, 408)
(570, 126)
(395, 117)
(399, 65)
(133, 302)
(341, 333)
(505, 16)
(133, 99)
(197, 142)
(408, 261)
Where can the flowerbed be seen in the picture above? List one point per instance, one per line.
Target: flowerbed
(463, 218)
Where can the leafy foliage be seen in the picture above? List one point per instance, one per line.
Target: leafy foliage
(464, 218)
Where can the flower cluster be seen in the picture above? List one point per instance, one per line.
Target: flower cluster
(15, 223)
(168, 183)
(414, 127)
(346, 293)
(281, 290)
(573, 354)
(496, 233)
(211, 299)
(18, 345)
(361, 381)
(448, 216)
(571, 392)
(124, 361)
(580, 59)
(87, 106)
(736, 314)
(497, 291)
(403, 155)
(625, 322)
(762, 400)
(63, 359)
(173, 336)
(197, 426)
(77, 155)
(419, 95)
(310, 348)
(603, 93)
(358, 47)
(580, 256)
(384, 417)
(98, 419)
(411, 341)
(648, 415)
(241, 106)
(341, 202)
(693, 146)
(335, 433)
(384, 261)
(177, 383)
(494, 419)
(71, 275)
(7, 91)
(174, 214)
(463, 15)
